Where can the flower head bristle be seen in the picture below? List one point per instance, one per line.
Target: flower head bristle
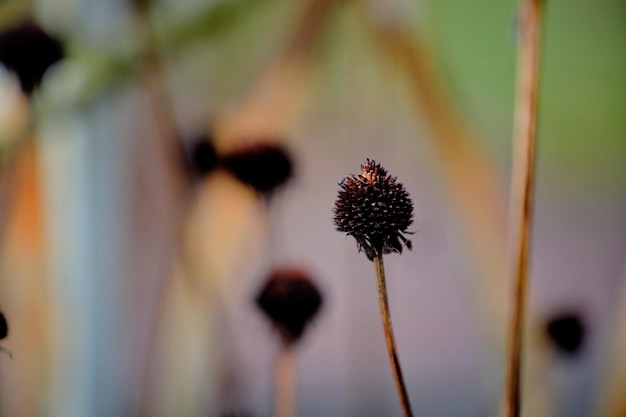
(291, 301)
(29, 51)
(375, 209)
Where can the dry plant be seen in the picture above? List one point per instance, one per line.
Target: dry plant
(290, 300)
(522, 188)
(375, 209)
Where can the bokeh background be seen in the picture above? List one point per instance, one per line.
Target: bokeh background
(128, 286)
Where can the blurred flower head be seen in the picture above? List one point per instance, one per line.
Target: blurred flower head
(200, 155)
(291, 301)
(262, 166)
(567, 333)
(28, 51)
(4, 332)
(375, 209)
(4, 327)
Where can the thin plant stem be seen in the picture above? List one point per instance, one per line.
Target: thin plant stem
(466, 166)
(391, 343)
(610, 401)
(285, 383)
(152, 77)
(522, 192)
(8, 170)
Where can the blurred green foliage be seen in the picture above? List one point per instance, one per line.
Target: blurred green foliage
(582, 125)
(582, 129)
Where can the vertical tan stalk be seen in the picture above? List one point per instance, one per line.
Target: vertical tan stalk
(285, 384)
(522, 191)
(175, 189)
(391, 343)
(153, 78)
(9, 166)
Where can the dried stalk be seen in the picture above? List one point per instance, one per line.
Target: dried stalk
(266, 109)
(275, 97)
(177, 191)
(285, 384)
(391, 343)
(522, 192)
(610, 400)
(9, 168)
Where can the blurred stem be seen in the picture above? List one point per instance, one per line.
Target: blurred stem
(152, 76)
(277, 93)
(522, 191)
(9, 168)
(610, 400)
(267, 108)
(470, 174)
(285, 383)
(177, 190)
(391, 343)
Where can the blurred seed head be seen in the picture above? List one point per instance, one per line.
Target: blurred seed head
(200, 155)
(28, 51)
(4, 331)
(567, 333)
(291, 301)
(4, 327)
(375, 209)
(263, 166)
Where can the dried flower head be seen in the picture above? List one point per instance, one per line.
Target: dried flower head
(4, 327)
(263, 166)
(29, 51)
(290, 300)
(375, 209)
(567, 333)
(200, 155)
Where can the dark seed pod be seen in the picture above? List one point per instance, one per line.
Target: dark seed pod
(29, 51)
(567, 333)
(375, 209)
(262, 166)
(290, 300)
(200, 155)
(4, 327)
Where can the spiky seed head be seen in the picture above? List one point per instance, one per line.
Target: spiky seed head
(263, 166)
(29, 51)
(4, 327)
(375, 209)
(291, 301)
